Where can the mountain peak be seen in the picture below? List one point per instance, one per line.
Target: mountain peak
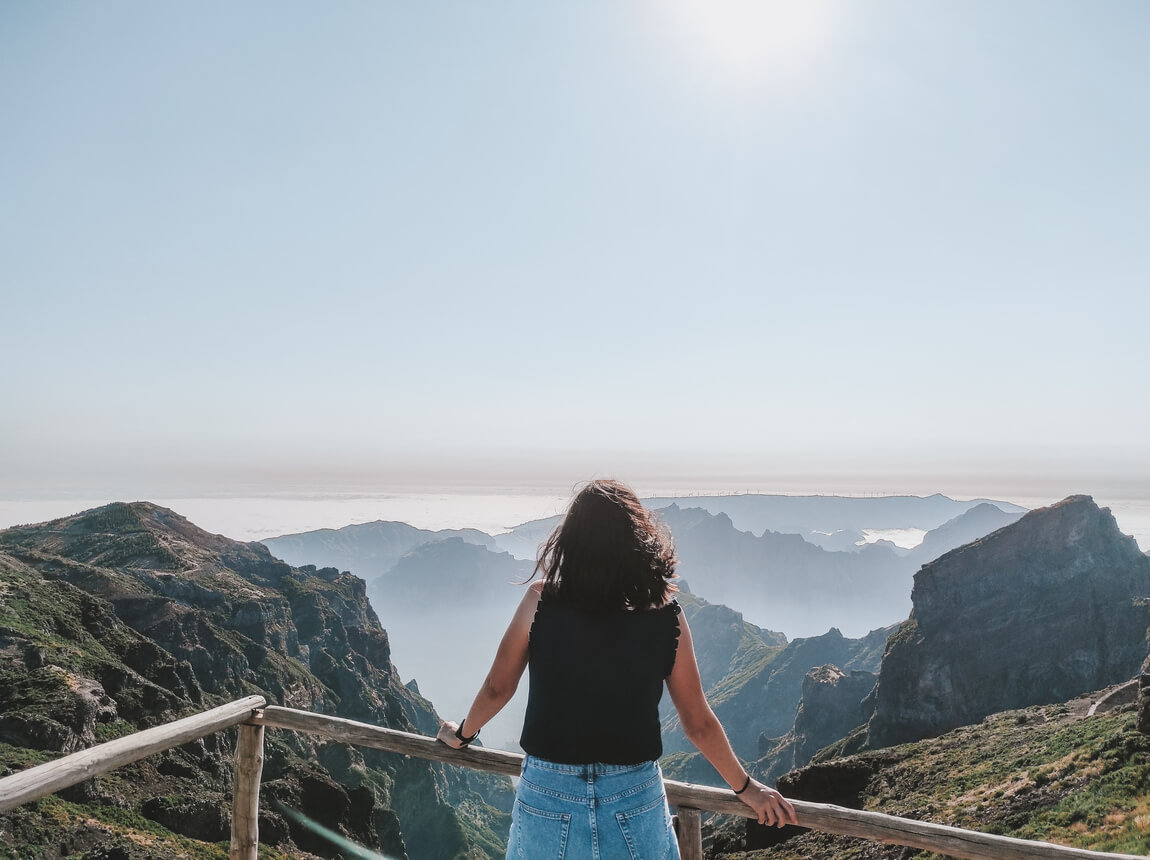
(122, 534)
(1040, 611)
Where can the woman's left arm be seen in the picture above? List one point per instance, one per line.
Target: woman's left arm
(503, 678)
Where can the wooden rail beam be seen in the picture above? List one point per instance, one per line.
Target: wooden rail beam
(377, 737)
(27, 785)
(879, 827)
(876, 826)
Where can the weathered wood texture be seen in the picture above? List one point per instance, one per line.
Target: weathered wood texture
(52, 776)
(690, 833)
(827, 818)
(249, 767)
(367, 735)
(878, 827)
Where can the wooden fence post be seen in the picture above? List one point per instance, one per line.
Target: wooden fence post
(249, 767)
(690, 833)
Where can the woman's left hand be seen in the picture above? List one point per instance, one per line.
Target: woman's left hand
(447, 735)
(770, 807)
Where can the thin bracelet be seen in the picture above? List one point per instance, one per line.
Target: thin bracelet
(746, 785)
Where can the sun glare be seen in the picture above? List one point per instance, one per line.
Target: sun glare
(759, 42)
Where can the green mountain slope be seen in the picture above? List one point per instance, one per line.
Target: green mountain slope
(1048, 772)
(128, 616)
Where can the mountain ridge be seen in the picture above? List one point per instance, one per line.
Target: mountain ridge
(128, 615)
(1039, 611)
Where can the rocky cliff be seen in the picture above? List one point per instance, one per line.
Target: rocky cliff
(834, 703)
(128, 615)
(1037, 612)
(757, 699)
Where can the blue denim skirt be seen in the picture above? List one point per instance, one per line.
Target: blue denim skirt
(591, 812)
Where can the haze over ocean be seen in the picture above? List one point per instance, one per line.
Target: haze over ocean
(255, 518)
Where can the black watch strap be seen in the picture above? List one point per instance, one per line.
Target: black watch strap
(460, 736)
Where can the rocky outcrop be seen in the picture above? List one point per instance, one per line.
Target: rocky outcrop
(757, 702)
(834, 703)
(128, 615)
(1040, 611)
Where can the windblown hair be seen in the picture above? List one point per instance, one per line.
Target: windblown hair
(608, 553)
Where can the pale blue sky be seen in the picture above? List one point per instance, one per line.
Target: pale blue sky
(280, 242)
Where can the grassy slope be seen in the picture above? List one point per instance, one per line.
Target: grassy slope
(1044, 773)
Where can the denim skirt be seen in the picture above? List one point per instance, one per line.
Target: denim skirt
(591, 812)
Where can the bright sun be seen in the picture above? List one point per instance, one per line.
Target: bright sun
(752, 41)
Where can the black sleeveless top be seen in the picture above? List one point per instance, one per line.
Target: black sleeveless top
(595, 683)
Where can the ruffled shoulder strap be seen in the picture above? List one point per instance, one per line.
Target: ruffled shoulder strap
(672, 612)
(534, 621)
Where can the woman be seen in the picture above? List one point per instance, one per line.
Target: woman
(602, 635)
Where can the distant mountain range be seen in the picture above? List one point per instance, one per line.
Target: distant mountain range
(834, 522)
(423, 582)
(777, 574)
(830, 514)
(783, 582)
(370, 549)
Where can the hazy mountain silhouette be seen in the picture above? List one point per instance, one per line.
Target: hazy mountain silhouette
(446, 605)
(803, 514)
(975, 523)
(368, 549)
(781, 582)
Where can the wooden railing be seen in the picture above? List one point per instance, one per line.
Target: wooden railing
(252, 716)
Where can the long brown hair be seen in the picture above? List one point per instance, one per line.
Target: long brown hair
(608, 553)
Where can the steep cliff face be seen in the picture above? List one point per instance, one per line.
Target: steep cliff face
(1037, 612)
(757, 701)
(128, 615)
(834, 703)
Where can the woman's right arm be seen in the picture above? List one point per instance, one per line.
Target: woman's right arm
(703, 729)
(503, 678)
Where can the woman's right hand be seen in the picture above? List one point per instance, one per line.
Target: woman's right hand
(447, 735)
(770, 806)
